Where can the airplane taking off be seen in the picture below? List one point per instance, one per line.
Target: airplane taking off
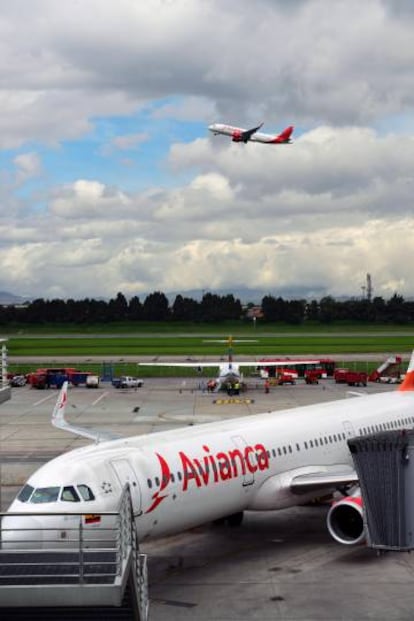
(189, 476)
(238, 134)
(230, 371)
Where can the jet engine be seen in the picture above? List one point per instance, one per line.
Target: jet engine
(345, 520)
(236, 136)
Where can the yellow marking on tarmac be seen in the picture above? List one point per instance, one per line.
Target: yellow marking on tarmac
(226, 401)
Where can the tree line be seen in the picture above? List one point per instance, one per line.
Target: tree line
(211, 308)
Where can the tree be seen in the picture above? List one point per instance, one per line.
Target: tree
(135, 310)
(155, 307)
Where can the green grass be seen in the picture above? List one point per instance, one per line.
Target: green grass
(190, 346)
(114, 343)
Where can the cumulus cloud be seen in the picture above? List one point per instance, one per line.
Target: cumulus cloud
(351, 64)
(28, 165)
(316, 215)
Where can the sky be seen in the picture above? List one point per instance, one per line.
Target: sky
(111, 181)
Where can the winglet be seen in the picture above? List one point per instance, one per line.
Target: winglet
(58, 415)
(408, 383)
(59, 421)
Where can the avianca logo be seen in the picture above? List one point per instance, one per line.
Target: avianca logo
(211, 468)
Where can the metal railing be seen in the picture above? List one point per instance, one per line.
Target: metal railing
(81, 564)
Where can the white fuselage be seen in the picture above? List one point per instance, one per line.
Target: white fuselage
(230, 130)
(185, 477)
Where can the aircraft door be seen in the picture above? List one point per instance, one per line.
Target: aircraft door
(349, 429)
(125, 473)
(241, 444)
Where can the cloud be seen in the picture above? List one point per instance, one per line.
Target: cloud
(316, 215)
(128, 142)
(106, 187)
(69, 66)
(28, 165)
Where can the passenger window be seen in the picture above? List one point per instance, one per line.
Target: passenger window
(273, 452)
(69, 494)
(25, 493)
(306, 445)
(85, 492)
(45, 494)
(149, 483)
(284, 450)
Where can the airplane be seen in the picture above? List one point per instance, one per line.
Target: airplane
(230, 371)
(183, 478)
(238, 134)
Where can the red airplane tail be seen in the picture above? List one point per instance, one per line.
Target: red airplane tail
(408, 383)
(284, 137)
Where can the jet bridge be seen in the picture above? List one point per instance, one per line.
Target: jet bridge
(109, 581)
(384, 463)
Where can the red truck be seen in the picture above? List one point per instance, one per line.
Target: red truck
(352, 378)
(47, 378)
(312, 376)
(356, 378)
(285, 376)
(340, 375)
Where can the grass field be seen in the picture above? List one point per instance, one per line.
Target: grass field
(190, 346)
(194, 341)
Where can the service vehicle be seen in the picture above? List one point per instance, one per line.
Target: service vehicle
(92, 381)
(127, 381)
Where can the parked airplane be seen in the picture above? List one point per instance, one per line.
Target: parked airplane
(185, 477)
(229, 371)
(238, 134)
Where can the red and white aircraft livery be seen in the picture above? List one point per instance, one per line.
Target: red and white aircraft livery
(238, 134)
(185, 477)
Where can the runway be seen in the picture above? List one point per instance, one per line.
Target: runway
(277, 565)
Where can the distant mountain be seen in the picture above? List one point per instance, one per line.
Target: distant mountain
(9, 298)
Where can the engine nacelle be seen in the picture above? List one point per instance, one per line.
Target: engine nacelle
(345, 520)
(236, 137)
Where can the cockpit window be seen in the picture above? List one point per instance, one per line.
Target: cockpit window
(86, 492)
(69, 494)
(45, 494)
(25, 493)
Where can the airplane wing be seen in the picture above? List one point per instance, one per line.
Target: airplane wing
(239, 363)
(59, 421)
(331, 477)
(180, 364)
(248, 133)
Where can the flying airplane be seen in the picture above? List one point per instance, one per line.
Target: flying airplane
(186, 477)
(229, 371)
(238, 134)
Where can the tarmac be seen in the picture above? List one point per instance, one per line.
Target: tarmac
(277, 565)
